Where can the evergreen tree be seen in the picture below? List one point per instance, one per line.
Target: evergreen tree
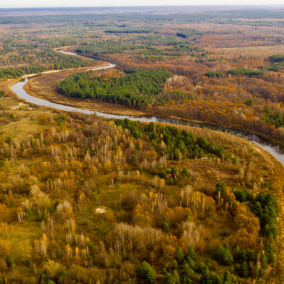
(165, 227)
(222, 254)
(200, 266)
(9, 261)
(190, 262)
(191, 253)
(219, 252)
(227, 277)
(236, 253)
(218, 280)
(187, 271)
(269, 253)
(179, 255)
(227, 258)
(176, 277)
(206, 276)
(244, 269)
(264, 262)
(172, 278)
(147, 272)
(174, 264)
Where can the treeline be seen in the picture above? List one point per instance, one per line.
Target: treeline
(56, 62)
(61, 61)
(185, 33)
(175, 143)
(99, 49)
(175, 48)
(188, 47)
(10, 73)
(137, 87)
(276, 58)
(215, 74)
(155, 51)
(13, 55)
(275, 118)
(131, 30)
(242, 72)
(276, 66)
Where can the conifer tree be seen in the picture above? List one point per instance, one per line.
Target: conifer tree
(147, 272)
(179, 255)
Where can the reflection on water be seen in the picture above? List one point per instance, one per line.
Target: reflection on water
(65, 52)
(273, 148)
(105, 67)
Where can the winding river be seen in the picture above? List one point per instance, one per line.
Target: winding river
(274, 149)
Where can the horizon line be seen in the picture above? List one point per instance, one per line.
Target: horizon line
(144, 6)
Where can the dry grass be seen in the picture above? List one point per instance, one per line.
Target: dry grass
(252, 50)
(26, 121)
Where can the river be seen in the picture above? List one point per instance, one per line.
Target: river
(273, 148)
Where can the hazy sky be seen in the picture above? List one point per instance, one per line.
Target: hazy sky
(95, 3)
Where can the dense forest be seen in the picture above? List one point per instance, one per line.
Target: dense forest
(156, 208)
(241, 72)
(135, 88)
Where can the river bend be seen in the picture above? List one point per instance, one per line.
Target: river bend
(273, 148)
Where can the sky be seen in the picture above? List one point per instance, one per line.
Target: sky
(96, 3)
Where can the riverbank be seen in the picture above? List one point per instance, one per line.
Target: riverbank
(44, 87)
(35, 88)
(272, 148)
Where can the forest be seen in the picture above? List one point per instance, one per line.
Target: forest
(115, 192)
(150, 205)
(55, 62)
(135, 88)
